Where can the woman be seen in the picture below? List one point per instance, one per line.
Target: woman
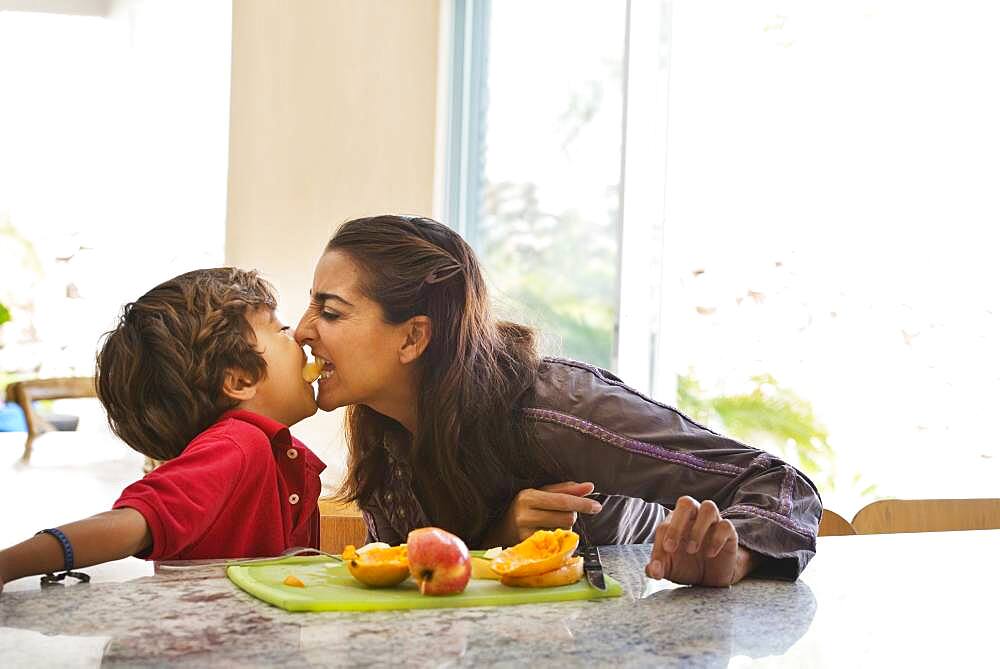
(453, 420)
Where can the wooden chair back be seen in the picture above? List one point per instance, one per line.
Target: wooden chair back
(24, 393)
(889, 516)
(340, 524)
(832, 524)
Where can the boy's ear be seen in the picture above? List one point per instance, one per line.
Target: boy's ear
(238, 385)
(417, 331)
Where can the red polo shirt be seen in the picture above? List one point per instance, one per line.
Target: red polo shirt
(245, 487)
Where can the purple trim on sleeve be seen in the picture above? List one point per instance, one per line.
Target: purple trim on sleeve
(785, 507)
(763, 461)
(784, 521)
(633, 445)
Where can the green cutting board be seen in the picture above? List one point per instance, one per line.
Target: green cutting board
(330, 587)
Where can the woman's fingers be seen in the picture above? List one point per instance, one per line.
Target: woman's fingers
(547, 520)
(558, 501)
(658, 556)
(692, 535)
(723, 536)
(552, 506)
(695, 545)
(570, 488)
(708, 515)
(679, 522)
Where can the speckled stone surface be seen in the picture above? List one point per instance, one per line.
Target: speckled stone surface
(879, 590)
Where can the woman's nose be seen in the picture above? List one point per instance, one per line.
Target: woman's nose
(304, 331)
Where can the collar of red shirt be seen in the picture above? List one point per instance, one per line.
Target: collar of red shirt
(274, 430)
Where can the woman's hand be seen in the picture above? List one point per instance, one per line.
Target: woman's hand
(546, 508)
(695, 545)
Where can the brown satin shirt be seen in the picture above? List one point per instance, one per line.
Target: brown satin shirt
(642, 456)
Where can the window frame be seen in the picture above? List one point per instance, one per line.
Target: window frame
(639, 350)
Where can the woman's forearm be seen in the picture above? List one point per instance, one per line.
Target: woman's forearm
(102, 538)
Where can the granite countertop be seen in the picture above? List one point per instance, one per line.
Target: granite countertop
(864, 600)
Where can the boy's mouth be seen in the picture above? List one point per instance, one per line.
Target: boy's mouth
(318, 368)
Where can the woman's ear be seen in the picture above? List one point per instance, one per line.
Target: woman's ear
(418, 336)
(238, 385)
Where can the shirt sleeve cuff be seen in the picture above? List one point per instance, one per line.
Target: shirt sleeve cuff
(155, 550)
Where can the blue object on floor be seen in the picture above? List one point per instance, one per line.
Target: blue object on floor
(12, 418)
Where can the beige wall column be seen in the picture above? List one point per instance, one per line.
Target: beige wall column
(333, 116)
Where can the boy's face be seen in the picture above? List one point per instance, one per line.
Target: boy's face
(282, 394)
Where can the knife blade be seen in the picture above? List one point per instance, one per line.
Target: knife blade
(592, 567)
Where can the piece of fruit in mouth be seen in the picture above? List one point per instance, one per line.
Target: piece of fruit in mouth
(313, 370)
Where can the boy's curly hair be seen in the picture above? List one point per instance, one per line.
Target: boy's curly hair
(160, 372)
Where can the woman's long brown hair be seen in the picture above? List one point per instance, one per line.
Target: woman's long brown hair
(470, 434)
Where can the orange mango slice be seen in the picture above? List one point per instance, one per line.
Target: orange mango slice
(377, 567)
(293, 581)
(545, 550)
(570, 572)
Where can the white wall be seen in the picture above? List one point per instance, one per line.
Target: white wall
(175, 125)
(333, 114)
(113, 163)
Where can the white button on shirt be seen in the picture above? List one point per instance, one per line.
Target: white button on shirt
(292, 453)
(293, 499)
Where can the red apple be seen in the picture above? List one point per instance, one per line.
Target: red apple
(439, 561)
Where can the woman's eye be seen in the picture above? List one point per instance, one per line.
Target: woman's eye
(329, 315)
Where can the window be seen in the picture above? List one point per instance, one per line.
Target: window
(779, 216)
(543, 123)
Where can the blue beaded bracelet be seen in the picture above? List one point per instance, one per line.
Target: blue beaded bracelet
(68, 560)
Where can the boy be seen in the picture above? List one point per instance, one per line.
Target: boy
(198, 373)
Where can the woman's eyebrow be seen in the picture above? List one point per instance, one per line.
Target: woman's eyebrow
(323, 297)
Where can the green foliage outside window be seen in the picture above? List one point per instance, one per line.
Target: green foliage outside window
(770, 417)
(555, 271)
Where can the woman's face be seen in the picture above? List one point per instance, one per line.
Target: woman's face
(348, 331)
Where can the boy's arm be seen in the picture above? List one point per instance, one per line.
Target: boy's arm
(108, 536)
